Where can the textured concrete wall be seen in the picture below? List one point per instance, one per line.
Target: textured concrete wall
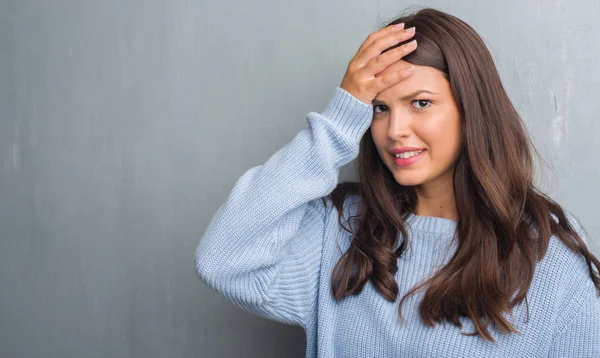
(124, 125)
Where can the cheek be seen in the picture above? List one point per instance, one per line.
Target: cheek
(442, 134)
(379, 135)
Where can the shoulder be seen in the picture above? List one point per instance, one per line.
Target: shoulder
(335, 209)
(350, 211)
(568, 265)
(559, 254)
(345, 199)
(351, 204)
(564, 273)
(576, 224)
(340, 220)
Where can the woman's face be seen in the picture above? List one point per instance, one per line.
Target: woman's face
(418, 112)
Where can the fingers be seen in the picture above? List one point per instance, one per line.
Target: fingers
(376, 47)
(377, 34)
(385, 81)
(366, 74)
(389, 58)
(397, 66)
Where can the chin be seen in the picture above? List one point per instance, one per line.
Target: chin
(409, 181)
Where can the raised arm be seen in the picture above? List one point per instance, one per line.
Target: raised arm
(262, 249)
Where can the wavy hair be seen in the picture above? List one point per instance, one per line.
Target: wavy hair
(505, 222)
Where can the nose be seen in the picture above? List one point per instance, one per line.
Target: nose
(400, 124)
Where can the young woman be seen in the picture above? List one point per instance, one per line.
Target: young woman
(443, 248)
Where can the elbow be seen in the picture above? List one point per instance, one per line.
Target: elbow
(244, 289)
(203, 266)
(210, 266)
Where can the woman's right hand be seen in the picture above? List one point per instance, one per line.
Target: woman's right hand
(360, 78)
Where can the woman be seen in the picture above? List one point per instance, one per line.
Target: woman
(443, 248)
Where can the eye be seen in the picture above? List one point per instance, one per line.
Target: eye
(421, 104)
(375, 107)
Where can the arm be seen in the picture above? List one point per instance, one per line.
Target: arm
(262, 249)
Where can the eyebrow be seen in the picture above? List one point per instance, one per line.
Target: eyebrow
(408, 96)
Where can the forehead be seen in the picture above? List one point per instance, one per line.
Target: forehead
(424, 77)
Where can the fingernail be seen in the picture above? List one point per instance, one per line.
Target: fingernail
(410, 70)
(400, 26)
(411, 29)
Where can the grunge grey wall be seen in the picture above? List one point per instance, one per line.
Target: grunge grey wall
(124, 125)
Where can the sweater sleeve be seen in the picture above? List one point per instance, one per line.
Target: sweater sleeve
(262, 249)
(579, 336)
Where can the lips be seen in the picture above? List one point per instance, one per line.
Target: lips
(402, 162)
(414, 153)
(395, 151)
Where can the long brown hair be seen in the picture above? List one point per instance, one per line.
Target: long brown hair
(499, 207)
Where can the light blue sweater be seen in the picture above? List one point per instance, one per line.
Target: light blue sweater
(271, 248)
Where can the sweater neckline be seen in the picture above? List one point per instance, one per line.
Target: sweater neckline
(431, 224)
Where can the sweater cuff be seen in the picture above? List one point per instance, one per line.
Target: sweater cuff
(348, 114)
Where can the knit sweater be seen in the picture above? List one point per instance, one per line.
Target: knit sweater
(271, 247)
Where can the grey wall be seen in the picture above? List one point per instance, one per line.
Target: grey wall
(124, 125)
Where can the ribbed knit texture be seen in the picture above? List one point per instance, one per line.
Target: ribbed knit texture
(271, 247)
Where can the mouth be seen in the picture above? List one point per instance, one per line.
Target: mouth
(406, 155)
(408, 158)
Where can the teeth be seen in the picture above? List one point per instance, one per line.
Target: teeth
(406, 155)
